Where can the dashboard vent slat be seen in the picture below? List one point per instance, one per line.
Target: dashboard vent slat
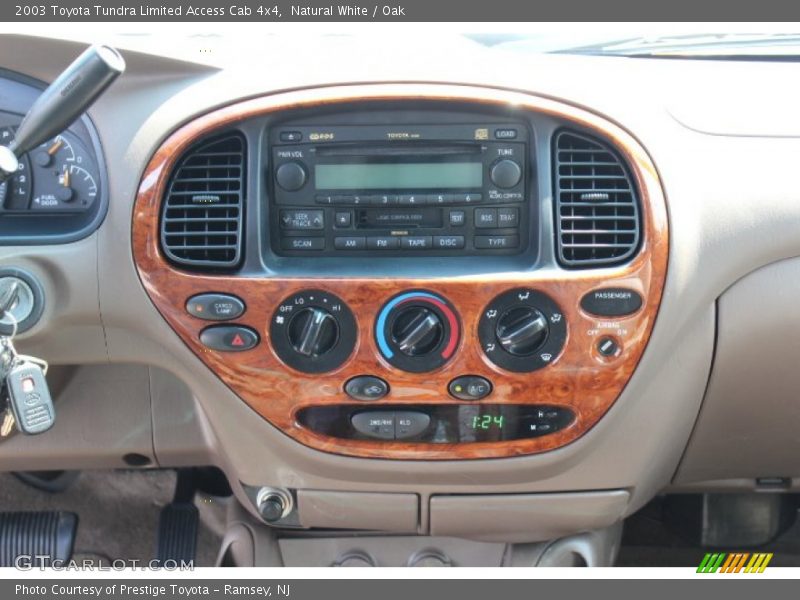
(201, 222)
(597, 205)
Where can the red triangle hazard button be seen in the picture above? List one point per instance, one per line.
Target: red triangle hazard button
(237, 341)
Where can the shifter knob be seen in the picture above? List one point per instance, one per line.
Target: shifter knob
(522, 331)
(313, 332)
(417, 331)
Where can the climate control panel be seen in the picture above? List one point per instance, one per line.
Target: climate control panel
(473, 342)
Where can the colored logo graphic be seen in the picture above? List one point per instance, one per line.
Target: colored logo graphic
(738, 562)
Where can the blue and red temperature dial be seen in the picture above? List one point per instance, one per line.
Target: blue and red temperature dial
(417, 331)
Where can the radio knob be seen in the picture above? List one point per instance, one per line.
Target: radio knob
(522, 331)
(505, 173)
(417, 331)
(291, 176)
(313, 332)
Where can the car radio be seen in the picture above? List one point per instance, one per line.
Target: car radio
(388, 190)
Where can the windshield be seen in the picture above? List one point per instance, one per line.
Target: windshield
(227, 45)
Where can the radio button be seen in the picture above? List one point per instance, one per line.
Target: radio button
(303, 243)
(291, 176)
(302, 219)
(323, 199)
(339, 200)
(467, 198)
(496, 242)
(457, 218)
(349, 243)
(505, 134)
(416, 242)
(486, 218)
(440, 198)
(343, 219)
(383, 200)
(507, 217)
(411, 199)
(448, 242)
(383, 243)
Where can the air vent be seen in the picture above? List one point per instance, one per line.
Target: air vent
(201, 224)
(596, 203)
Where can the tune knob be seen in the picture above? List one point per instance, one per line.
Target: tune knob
(521, 331)
(505, 173)
(417, 331)
(313, 332)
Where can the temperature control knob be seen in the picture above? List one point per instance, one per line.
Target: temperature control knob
(521, 331)
(417, 331)
(313, 332)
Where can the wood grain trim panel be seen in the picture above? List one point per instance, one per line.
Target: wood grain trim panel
(579, 378)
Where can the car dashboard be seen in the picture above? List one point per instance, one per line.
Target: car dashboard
(510, 300)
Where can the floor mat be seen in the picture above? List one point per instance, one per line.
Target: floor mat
(118, 512)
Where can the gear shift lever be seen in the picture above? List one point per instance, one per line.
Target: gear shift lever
(64, 100)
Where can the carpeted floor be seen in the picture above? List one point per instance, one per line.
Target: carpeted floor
(118, 512)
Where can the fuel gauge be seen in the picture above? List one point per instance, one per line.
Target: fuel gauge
(65, 175)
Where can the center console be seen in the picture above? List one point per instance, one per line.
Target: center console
(408, 271)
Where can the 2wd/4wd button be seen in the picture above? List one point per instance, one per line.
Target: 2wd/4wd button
(229, 338)
(366, 387)
(215, 307)
(375, 424)
(611, 302)
(470, 387)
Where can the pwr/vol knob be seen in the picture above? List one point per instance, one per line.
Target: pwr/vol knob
(313, 331)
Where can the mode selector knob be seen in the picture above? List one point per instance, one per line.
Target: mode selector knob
(522, 331)
(505, 173)
(313, 332)
(417, 331)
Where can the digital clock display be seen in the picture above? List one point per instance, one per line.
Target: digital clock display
(487, 422)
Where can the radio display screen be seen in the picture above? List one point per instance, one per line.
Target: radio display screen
(399, 176)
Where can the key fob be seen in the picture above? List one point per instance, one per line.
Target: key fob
(30, 399)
